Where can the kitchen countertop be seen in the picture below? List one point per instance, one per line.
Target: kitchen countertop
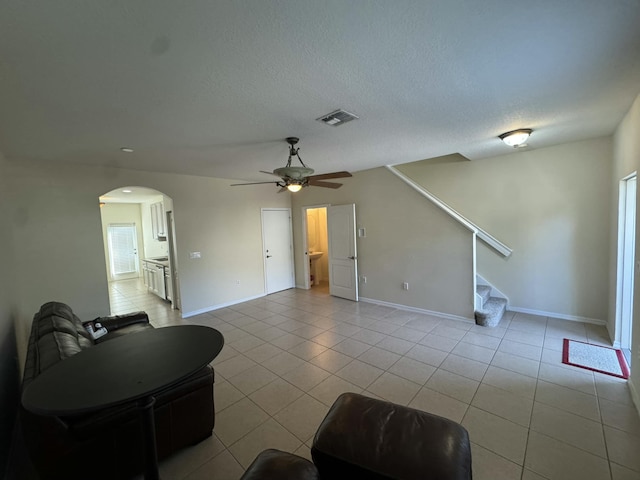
(158, 260)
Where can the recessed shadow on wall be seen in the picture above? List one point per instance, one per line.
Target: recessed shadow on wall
(10, 391)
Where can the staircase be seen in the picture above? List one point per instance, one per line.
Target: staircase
(492, 309)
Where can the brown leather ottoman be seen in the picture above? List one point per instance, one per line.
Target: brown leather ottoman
(277, 465)
(365, 438)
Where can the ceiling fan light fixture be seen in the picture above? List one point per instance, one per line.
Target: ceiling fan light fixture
(294, 178)
(516, 138)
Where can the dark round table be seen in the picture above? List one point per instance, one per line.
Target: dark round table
(128, 368)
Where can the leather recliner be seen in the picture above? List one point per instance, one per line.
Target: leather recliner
(370, 439)
(106, 444)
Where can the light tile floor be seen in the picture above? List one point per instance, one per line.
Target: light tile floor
(289, 355)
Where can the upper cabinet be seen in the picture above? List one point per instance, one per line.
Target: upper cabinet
(158, 221)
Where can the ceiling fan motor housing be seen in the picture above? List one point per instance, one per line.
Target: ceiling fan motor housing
(293, 173)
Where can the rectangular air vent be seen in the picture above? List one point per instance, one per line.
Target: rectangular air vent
(337, 118)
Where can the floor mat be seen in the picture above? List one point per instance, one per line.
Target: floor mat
(595, 357)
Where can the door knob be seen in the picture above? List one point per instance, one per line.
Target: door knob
(269, 256)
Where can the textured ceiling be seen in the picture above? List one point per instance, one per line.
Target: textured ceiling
(213, 87)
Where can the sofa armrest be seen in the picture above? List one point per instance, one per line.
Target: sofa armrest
(119, 321)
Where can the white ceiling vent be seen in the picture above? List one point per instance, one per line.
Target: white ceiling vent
(337, 118)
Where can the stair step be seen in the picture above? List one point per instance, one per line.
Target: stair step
(484, 291)
(491, 312)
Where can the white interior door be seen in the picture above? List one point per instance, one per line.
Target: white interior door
(343, 262)
(277, 241)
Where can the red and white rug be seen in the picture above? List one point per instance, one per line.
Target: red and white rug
(595, 357)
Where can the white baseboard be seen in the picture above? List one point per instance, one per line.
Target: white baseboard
(561, 316)
(302, 287)
(222, 305)
(417, 310)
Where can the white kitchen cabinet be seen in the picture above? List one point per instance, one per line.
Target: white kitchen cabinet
(155, 278)
(158, 221)
(145, 273)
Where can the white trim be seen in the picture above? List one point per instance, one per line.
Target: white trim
(622, 216)
(448, 316)
(477, 299)
(561, 316)
(221, 305)
(483, 235)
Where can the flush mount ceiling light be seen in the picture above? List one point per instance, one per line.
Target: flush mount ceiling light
(127, 191)
(126, 149)
(516, 138)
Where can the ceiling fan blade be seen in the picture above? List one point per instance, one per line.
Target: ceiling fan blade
(269, 173)
(327, 176)
(317, 183)
(254, 183)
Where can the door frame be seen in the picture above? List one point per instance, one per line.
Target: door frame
(264, 256)
(176, 299)
(621, 284)
(305, 244)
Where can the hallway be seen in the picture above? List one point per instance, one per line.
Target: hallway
(127, 296)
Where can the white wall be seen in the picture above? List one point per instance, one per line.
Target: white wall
(626, 154)
(552, 207)
(407, 240)
(58, 237)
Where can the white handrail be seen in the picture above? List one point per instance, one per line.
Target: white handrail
(487, 238)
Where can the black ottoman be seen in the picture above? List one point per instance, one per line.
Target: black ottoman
(277, 465)
(365, 438)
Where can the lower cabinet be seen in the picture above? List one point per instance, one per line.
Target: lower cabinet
(154, 278)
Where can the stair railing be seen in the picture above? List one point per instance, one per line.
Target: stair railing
(486, 237)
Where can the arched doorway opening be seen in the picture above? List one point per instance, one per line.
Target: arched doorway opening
(140, 248)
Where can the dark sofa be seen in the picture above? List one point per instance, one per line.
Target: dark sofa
(106, 444)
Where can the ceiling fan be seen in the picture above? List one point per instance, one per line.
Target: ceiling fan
(294, 178)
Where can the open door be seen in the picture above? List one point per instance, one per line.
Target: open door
(343, 262)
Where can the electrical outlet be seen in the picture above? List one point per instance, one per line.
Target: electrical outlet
(405, 286)
(193, 255)
(363, 279)
(238, 283)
